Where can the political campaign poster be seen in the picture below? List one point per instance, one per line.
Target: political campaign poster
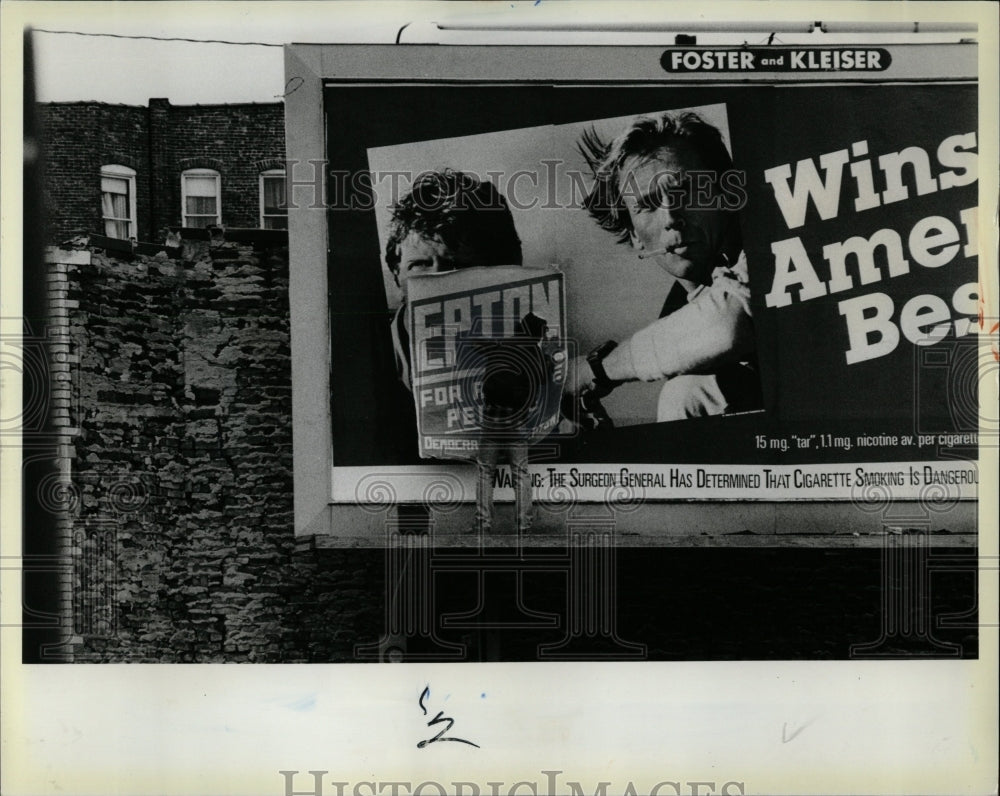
(486, 356)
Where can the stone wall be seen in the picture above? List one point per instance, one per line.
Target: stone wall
(179, 418)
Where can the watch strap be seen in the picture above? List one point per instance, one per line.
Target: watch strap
(595, 359)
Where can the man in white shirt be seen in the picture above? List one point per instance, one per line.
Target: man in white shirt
(666, 186)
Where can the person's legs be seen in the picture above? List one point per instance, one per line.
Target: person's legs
(523, 502)
(486, 465)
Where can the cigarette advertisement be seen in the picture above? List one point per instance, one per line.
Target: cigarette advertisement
(769, 259)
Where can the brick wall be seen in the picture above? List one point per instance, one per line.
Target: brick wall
(238, 141)
(159, 142)
(79, 138)
(180, 498)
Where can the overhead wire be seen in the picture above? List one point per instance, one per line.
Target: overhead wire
(157, 38)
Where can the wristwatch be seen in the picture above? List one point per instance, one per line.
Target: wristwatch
(602, 384)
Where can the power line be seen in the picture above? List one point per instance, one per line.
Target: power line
(158, 38)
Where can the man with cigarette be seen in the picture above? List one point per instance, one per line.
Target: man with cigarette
(666, 186)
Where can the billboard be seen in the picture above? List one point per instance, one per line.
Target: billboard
(788, 281)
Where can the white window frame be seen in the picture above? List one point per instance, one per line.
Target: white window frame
(117, 171)
(260, 181)
(218, 194)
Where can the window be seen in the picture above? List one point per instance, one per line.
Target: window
(118, 201)
(273, 208)
(200, 198)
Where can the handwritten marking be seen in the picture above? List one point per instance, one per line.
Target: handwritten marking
(789, 738)
(440, 718)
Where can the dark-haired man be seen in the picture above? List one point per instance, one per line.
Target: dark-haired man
(666, 186)
(449, 220)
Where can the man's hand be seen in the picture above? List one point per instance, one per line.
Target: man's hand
(579, 376)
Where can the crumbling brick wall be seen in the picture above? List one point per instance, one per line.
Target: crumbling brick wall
(182, 531)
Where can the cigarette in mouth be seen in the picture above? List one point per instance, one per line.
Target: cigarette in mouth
(647, 255)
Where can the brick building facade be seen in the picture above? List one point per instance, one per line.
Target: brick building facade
(149, 167)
